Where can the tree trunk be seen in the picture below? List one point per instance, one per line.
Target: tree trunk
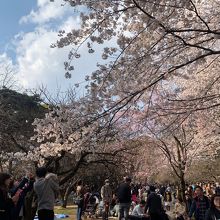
(68, 190)
(10, 167)
(183, 186)
(1, 167)
(62, 195)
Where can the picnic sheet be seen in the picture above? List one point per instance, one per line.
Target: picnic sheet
(57, 216)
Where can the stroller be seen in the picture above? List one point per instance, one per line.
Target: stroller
(90, 205)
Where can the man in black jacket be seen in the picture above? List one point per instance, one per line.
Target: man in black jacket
(154, 205)
(124, 198)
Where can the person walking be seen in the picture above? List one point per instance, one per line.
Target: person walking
(124, 198)
(106, 194)
(154, 205)
(6, 203)
(46, 190)
(214, 211)
(199, 205)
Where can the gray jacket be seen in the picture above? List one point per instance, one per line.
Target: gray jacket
(46, 190)
(106, 193)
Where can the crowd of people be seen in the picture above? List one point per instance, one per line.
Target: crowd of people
(154, 202)
(21, 200)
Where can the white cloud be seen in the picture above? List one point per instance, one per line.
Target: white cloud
(46, 12)
(36, 62)
(5, 60)
(72, 22)
(41, 3)
(39, 64)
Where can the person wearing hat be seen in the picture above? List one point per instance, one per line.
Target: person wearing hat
(106, 194)
(213, 212)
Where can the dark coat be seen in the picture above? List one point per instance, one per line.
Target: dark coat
(6, 205)
(212, 214)
(124, 193)
(194, 209)
(25, 188)
(154, 203)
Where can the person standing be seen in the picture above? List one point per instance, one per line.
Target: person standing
(162, 190)
(124, 198)
(6, 203)
(199, 205)
(80, 191)
(106, 194)
(46, 190)
(168, 199)
(21, 189)
(154, 205)
(214, 211)
(188, 202)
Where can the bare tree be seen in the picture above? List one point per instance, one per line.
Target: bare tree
(7, 76)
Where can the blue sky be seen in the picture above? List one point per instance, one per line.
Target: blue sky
(10, 13)
(28, 27)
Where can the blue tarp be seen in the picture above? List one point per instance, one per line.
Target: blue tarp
(61, 216)
(57, 216)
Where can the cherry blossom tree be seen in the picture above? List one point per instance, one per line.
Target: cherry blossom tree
(145, 166)
(160, 75)
(157, 42)
(164, 57)
(69, 139)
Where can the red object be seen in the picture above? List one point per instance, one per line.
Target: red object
(134, 198)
